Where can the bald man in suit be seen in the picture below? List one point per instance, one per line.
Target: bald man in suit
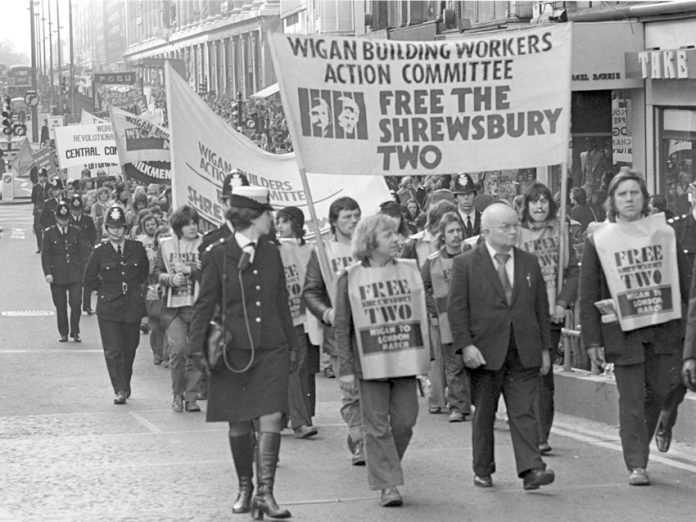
(499, 315)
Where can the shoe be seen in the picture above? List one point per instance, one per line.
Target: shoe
(663, 438)
(638, 477)
(76, 338)
(483, 481)
(120, 398)
(177, 404)
(544, 448)
(434, 410)
(128, 392)
(191, 405)
(535, 478)
(358, 458)
(391, 498)
(305, 432)
(202, 396)
(89, 311)
(456, 416)
(38, 250)
(264, 503)
(329, 373)
(63, 339)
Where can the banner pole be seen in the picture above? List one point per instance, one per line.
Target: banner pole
(563, 240)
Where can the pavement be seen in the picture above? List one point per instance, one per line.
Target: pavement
(68, 454)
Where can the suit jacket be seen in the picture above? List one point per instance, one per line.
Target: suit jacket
(48, 213)
(476, 225)
(480, 315)
(266, 298)
(624, 348)
(39, 195)
(119, 283)
(63, 256)
(88, 232)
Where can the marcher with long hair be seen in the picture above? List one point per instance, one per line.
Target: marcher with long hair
(388, 394)
(436, 279)
(540, 235)
(177, 270)
(243, 275)
(295, 252)
(646, 351)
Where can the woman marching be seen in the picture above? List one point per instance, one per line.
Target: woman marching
(243, 275)
(380, 354)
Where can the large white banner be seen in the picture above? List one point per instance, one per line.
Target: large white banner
(490, 102)
(204, 149)
(77, 145)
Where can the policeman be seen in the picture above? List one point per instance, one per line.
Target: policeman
(62, 259)
(464, 190)
(234, 179)
(88, 234)
(49, 209)
(117, 269)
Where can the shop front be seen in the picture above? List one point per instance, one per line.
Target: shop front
(667, 65)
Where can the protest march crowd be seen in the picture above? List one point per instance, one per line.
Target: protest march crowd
(443, 288)
(438, 235)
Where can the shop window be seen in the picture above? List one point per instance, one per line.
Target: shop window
(677, 147)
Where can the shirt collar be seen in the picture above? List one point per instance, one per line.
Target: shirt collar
(492, 252)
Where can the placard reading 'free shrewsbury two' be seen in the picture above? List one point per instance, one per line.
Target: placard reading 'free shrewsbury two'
(363, 106)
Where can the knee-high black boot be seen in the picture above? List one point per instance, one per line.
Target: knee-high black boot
(267, 448)
(242, 447)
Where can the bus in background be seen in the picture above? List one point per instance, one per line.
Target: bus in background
(18, 80)
(3, 77)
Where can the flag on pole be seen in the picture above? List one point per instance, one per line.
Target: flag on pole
(24, 160)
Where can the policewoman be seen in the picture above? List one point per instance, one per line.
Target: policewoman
(117, 269)
(243, 275)
(62, 259)
(382, 344)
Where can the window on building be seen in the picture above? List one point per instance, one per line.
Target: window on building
(675, 156)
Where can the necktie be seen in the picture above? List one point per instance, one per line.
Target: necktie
(502, 275)
(119, 252)
(469, 229)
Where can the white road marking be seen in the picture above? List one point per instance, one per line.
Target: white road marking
(600, 440)
(145, 422)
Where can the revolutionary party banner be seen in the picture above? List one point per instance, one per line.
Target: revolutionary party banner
(490, 102)
(143, 147)
(77, 145)
(639, 260)
(205, 149)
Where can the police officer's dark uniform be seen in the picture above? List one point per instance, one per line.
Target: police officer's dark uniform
(118, 272)
(232, 180)
(48, 214)
(39, 195)
(62, 258)
(685, 229)
(88, 234)
(464, 184)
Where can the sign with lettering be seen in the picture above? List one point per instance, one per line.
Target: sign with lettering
(391, 329)
(77, 145)
(622, 139)
(668, 64)
(204, 149)
(385, 107)
(639, 260)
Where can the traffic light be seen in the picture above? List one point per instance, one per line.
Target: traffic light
(7, 117)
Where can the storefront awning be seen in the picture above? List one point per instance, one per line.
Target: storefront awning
(265, 92)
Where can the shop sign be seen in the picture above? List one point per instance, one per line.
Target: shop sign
(622, 140)
(670, 64)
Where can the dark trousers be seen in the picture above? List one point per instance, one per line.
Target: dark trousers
(668, 415)
(299, 416)
(458, 391)
(38, 232)
(119, 341)
(520, 389)
(389, 412)
(62, 296)
(546, 390)
(643, 390)
(86, 298)
(308, 376)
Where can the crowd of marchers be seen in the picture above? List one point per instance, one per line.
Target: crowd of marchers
(481, 275)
